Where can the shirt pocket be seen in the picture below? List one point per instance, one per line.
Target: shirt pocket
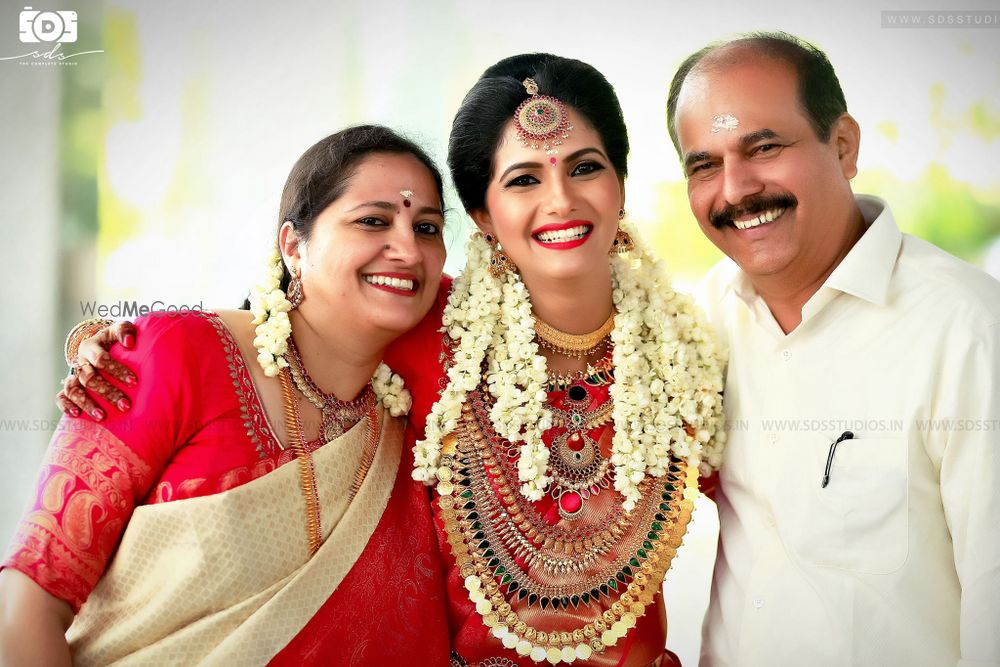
(859, 521)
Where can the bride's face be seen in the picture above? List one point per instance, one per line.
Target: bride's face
(554, 215)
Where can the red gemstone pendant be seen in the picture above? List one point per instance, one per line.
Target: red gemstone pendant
(570, 505)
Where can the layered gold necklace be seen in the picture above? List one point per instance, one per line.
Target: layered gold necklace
(338, 417)
(512, 560)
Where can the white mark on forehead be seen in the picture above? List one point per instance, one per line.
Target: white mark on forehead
(724, 121)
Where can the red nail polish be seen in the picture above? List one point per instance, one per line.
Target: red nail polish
(74, 411)
(98, 414)
(130, 381)
(129, 341)
(124, 405)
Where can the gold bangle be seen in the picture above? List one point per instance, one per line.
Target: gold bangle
(80, 333)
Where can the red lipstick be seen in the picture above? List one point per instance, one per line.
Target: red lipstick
(560, 226)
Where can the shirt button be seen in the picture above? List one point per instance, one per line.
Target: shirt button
(758, 603)
(786, 354)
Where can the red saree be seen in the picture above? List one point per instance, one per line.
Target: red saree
(198, 429)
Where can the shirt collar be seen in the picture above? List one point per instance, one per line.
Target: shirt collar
(867, 268)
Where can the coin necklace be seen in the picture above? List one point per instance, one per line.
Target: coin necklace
(464, 502)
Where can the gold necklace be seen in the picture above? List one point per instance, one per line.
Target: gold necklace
(338, 416)
(595, 375)
(575, 346)
(307, 472)
(492, 589)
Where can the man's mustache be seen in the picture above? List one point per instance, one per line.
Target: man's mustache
(752, 206)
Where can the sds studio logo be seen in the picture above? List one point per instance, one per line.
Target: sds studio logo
(51, 28)
(38, 26)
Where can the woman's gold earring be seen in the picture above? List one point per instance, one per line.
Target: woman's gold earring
(295, 295)
(500, 263)
(622, 244)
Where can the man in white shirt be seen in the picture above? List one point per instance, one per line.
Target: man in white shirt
(859, 500)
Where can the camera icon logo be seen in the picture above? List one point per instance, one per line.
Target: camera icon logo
(38, 26)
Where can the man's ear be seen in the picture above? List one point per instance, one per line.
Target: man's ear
(846, 133)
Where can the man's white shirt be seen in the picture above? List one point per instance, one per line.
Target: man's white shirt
(897, 560)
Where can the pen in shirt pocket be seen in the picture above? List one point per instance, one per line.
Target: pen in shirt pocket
(846, 435)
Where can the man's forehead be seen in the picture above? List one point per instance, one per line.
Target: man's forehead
(746, 80)
(727, 103)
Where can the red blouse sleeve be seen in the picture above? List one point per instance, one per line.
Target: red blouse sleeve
(95, 473)
(416, 356)
(709, 485)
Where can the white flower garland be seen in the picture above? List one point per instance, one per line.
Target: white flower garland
(270, 309)
(668, 376)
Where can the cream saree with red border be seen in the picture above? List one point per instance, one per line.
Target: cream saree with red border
(227, 579)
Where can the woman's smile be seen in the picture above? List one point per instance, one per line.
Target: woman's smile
(564, 235)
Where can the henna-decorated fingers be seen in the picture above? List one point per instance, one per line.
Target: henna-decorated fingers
(95, 351)
(81, 398)
(67, 406)
(95, 382)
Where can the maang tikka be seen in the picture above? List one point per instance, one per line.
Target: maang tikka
(541, 120)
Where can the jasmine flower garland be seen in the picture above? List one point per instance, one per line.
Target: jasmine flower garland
(668, 376)
(270, 309)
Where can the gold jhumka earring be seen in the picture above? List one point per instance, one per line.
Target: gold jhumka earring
(500, 263)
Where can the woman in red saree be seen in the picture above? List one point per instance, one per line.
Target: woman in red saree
(566, 406)
(211, 522)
